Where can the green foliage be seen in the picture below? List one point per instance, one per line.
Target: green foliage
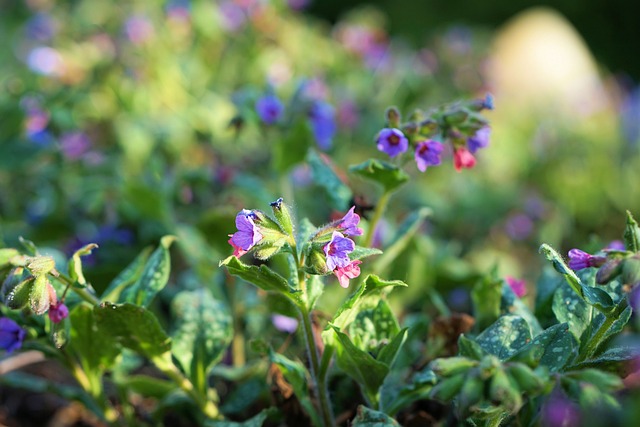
(389, 176)
(505, 337)
(369, 418)
(325, 176)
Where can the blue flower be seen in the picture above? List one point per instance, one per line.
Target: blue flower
(323, 123)
(479, 140)
(427, 154)
(269, 109)
(11, 335)
(248, 234)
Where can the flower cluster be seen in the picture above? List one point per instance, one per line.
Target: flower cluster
(460, 125)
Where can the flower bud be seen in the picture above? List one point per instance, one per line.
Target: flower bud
(447, 389)
(5, 256)
(428, 127)
(456, 117)
(16, 288)
(504, 390)
(316, 262)
(471, 393)
(393, 117)
(283, 215)
(525, 377)
(448, 366)
(609, 271)
(41, 265)
(631, 270)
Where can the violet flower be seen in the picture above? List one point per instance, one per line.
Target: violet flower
(349, 223)
(479, 140)
(248, 234)
(284, 323)
(428, 154)
(11, 335)
(392, 141)
(579, 260)
(323, 123)
(337, 251)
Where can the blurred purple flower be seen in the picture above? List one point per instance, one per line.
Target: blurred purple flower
(284, 323)
(41, 27)
(616, 245)
(392, 141)
(337, 251)
(58, 312)
(45, 60)
(233, 15)
(559, 411)
(428, 154)
(179, 10)
(269, 109)
(11, 335)
(630, 116)
(519, 287)
(579, 260)
(349, 223)
(519, 226)
(479, 140)
(298, 4)
(74, 144)
(348, 115)
(323, 124)
(138, 29)
(247, 235)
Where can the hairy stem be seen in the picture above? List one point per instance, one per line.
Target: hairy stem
(377, 215)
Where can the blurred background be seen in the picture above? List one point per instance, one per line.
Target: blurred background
(125, 122)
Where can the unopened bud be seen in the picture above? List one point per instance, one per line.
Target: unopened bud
(393, 117)
(609, 271)
(41, 265)
(283, 215)
(631, 270)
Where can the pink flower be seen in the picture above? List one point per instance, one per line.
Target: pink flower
(344, 274)
(58, 312)
(517, 286)
(462, 158)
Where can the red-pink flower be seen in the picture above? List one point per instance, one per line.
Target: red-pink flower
(462, 158)
(344, 274)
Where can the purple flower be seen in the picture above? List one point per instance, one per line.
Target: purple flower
(284, 323)
(579, 260)
(323, 123)
(74, 144)
(11, 335)
(349, 223)
(559, 411)
(337, 251)
(479, 140)
(392, 141)
(616, 245)
(269, 109)
(427, 154)
(138, 29)
(248, 233)
(519, 226)
(58, 312)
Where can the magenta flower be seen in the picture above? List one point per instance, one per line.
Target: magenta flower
(248, 234)
(517, 286)
(350, 271)
(462, 158)
(11, 335)
(392, 141)
(58, 312)
(479, 140)
(579, 260)
(427, 154)
(559, 411)
(349, 223)
(337, 251)
(269, 109)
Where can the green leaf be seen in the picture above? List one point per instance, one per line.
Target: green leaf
(570, 308)
(126, 277)
(615, 359)
(373, 284)
(148, 386)
(632, 234)
(154, 277)
(561, 267)
(470, 348)
(39, 295)
(262, 277)
(486, 296)
(369, 418)
(552, 348)
(292, 149)
(403, 236)
(203, 331)
(390, 351)
(373, 327)
(133, 327)
(386, 174)
(5, 256)
(359, 365)
(511, 304)
(361, 252)
(96, 353)
(324, 175)
(505, 337)
(75, 263)
(616, 327)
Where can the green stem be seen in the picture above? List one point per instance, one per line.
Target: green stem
(82, 292)
(319, 384)
(170, 370)
(377, 215)
(597, 339)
